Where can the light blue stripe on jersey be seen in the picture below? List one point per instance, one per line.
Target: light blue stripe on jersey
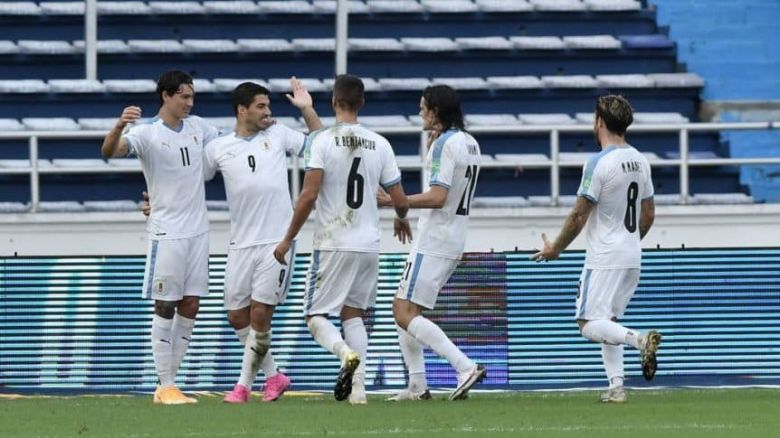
(590, 168)
(313, 269)
(413, 281)
(391, 183)
(306, 151)
(438, 147)
(152, 261)
(585, 285)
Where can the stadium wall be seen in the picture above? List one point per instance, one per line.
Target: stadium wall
(75, 324)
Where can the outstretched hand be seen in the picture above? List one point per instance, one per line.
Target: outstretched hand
(300, 97)
(548, 251)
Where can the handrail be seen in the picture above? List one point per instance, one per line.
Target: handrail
(554, 162)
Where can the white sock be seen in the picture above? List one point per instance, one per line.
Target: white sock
(431, 335)
(268, 365)
(162, 350)
(255, 349)
(243, 334)
(612, 355)
(412, 352)
(181, 333)
(327, 335)
(605, 331)
(356, 337)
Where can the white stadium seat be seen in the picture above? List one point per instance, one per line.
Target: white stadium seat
(210, 45)
(546, 119)
(46, 47)
(155, 46)
(500, 202)
(130, 85)
(680, 80)
(10, 125)
(384, 121)
(504, 6)
(461, 83)
(62, 8)
(314, 44)
(123, 8)
(97, 124)
(657, 118)
(284, 7)
(514, 82)
(393, 84)
(228, 85)
(231, 7)
(624, 81)
(13, 207)
(60, 207)
(449, 6)
(546, 201)
(23, 164)
(117, 205)
(484, 43)
(203, 86)
(592, 42)
(574, 81)
(265, 45)
(521, 160)
(394, 6)
(104, 46)
(50, 124)
(429, 44)
(224, 124)
(19, 8)
(538, 43)
(491, 120)
(283, 85)
(79, 163)
(558, 5)
(376, 44)
(76, 86)
(8, 48)
(176, 7)
(329, 6)
(613, 5)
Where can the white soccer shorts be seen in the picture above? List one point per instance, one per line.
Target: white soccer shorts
(253, 273)
(605, 293)
(423, 277)
(176, 268)
(340, 278)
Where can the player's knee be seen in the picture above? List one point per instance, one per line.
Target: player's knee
(403, 313)
(165, 309)
(582, 323)
(238, 319)
(188, 307)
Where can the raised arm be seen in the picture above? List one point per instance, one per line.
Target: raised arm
(302, 100)
(113, 143)
(570, 230)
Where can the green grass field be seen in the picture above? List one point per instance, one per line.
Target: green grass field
(738, 413)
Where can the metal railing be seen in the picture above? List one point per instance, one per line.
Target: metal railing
(554, 163)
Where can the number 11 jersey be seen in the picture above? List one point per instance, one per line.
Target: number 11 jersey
(355, 161)
(617, 180)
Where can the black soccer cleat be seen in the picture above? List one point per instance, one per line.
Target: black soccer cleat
(343, 387)
(648, 354)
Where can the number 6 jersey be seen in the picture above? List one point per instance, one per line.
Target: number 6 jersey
(617, 180)
(453, 163)
(355, 162)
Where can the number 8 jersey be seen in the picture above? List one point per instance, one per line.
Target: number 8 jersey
(355, 162)
(617, 180)
(452, 162)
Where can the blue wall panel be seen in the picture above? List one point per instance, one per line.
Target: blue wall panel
(77, 324)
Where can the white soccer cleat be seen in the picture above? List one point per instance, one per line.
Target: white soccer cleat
(358, 394)
(409, 395)
(467, 380)
(614, 395)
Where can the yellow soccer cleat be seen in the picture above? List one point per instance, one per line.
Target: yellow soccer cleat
(171, 395)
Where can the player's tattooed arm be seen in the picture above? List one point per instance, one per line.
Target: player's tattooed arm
(647, 217)
(570, 230)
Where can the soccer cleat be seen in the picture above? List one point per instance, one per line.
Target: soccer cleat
(157, 394)
(648, 354)
(239, 394)
(358, 394)
(275, 386)
(171, 395)
(344, 381)
(409, 395)
(614, 395)
(466, 381)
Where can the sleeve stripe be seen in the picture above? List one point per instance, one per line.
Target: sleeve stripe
(391, 183)
(588, 197)
(437, 183)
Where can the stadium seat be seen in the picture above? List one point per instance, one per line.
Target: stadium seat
(721, 198)
(79, 163)
(449, 6)
(314, 44)
(575, 158)
(574, 81)
(97, 124)
(646, 42)
(216, 205)
(385, 121)
(329, 6)
(210, 46)
(284, 7)
(11, 125)
(681, 80)
(514, 82)
(537, 42)
(394, 6)
(657, 118)
(231, 7)
(50, 124)
(125, 163)
(19, 8)
(483, 43)
(24, 164)
(591, 42)
(104, 46)
(491, 120)
(429, 44)
(177, 7)
(415, 84)
(283, 85)
(461, 83)
(546, 119)
(13, 207)
(546, 201)
(524, 160)
(204, 86)
(667, 199)
(228, 85)
(624, 81)
(290, 122)
(408, 162)
(504, 6)
(8, 47)
(224, 124)
(62, 8)
(119, 205)
(264, 45)
(46, 47)
(155, 46)
(76, 86)
(123, 8)
(130, 85)
(376, 44)
(500, 202)
(613, 5)
(559, 5)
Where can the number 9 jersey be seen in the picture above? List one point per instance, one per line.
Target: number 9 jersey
(355, 162)
(453, 163)
(616, 180)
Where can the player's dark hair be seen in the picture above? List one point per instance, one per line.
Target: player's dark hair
(348, 92)
(170, 81)
(443, 100)
(244, 94)
(616, 113)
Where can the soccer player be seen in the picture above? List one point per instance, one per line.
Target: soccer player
(345, 165)
(451, 169)
(615, 205)
(170, 149)
(253, 163)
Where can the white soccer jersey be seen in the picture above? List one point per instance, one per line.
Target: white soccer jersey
(172, 162)
(255, 174)
(452, 162)
(616, 179)
(355, 161)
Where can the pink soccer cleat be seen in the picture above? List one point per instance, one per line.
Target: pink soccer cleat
(239, 394)
(275, 387)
